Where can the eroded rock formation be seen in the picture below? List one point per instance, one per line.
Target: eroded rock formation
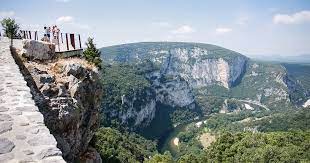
(68, 92)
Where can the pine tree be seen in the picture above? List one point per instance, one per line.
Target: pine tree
(91, 53)
(10, 28)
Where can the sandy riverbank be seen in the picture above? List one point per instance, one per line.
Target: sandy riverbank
(176, 141)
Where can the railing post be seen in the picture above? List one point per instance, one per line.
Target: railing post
(67, 41)
(35, 35)
(72, 41)
(30, 35)
(80, 41)
(62, 41)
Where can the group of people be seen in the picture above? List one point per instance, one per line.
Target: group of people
(55, 31)
(55, 34)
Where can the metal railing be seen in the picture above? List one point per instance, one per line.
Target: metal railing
(63, 42)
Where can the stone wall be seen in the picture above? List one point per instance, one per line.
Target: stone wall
(24, 136)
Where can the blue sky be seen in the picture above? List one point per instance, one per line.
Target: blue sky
(261, 27)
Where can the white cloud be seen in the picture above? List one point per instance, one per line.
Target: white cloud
(64, 19)
(5, 14)
(185, 29)
(222, 30)
(296, 18)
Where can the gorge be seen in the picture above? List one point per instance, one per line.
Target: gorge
(186, 77)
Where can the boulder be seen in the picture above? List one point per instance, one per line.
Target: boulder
(38, 50)
(77, 70)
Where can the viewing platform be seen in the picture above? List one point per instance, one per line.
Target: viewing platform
(67, 44)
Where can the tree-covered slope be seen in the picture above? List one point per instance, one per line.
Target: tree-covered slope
(142, 80)
(152, 87)
(135, 52)
(122, 147)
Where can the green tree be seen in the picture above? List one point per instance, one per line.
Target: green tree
(190, 158)
(91, 53)
(115, 146)
(10, 28)
(161, 158)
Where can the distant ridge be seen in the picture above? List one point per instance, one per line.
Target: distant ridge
(304, 58)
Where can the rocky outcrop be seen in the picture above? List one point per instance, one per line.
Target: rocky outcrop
(73, 95)
(68, 93)
(38, 50)
(198, 70)
(136, 110)
(171, 90)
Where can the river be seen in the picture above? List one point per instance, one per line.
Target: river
(166, 143)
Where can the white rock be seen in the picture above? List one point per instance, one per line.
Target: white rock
(247, 106)
(307, 103)
(38, 50)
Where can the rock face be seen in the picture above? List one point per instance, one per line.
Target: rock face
(198, 71)
(135, 110)
(38, 50)
(180, 68)
(144, 112)
(214, 78)
(198, 64)
(69, 93)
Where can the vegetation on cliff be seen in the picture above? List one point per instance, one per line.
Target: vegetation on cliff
(91, 53)
(121, 82)
(259, 102)
(115, 146)
(249, 147)
(129, 52)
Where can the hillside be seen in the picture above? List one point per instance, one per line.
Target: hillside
(177, 82)
(154, 50)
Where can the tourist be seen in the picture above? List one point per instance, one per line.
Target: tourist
(47, 34)
(56, 36)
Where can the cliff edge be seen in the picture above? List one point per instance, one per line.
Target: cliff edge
(68, 93)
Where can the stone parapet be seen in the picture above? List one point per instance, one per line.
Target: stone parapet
(23, 134)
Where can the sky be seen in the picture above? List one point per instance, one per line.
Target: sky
(262, 27)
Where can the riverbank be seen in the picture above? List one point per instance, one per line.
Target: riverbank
(170, 142)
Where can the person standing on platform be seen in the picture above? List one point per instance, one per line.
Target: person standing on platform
(47, 34)
(56, 31)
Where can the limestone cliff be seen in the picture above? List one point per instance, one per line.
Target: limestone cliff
(216, 79)
(68, 92)
(174, 71)
(198, 70)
